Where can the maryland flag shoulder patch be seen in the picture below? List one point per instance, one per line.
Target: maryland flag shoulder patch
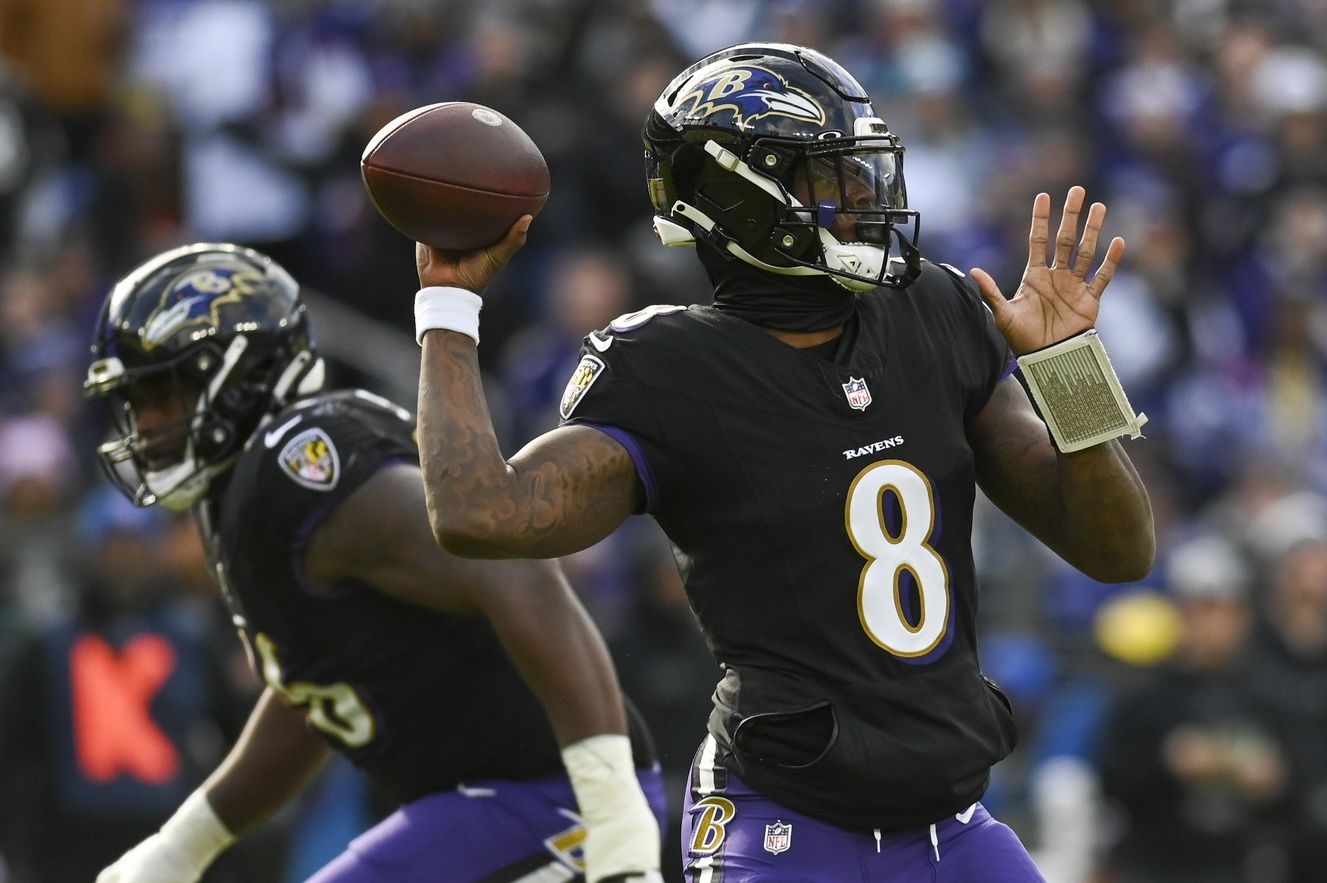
(586, 373)
(310, 459)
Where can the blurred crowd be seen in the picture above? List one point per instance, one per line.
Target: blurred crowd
(1174, 730)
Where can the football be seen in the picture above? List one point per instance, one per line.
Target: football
(454, 175)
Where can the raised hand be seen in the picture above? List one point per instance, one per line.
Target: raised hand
(1055, 301)
(471, 270)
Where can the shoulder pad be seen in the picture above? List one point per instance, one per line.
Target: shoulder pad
(959, 281)
(632, 321)
(376, 401)
(948, 268)
(342, 402)
(600, 341)
(302, 439)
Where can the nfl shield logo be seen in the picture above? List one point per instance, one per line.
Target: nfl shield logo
(778, 837)
(858, 395)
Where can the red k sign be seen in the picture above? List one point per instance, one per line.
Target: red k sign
(113, 731)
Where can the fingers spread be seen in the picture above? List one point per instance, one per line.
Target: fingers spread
(1107, 270)
(1040, 235)
(1068, 235)
(1087, 246)
(990, 292)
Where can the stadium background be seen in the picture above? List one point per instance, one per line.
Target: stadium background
(128, 126)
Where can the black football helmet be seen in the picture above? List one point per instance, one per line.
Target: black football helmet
(772, 153)
(213, 336)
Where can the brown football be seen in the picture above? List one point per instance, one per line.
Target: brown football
(454, 175)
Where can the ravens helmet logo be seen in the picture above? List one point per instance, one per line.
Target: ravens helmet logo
(751, 93)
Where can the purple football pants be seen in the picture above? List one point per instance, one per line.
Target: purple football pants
(732, 834)
(486, 832)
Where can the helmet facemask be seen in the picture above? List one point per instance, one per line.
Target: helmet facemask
(209, 410)
(191, 438)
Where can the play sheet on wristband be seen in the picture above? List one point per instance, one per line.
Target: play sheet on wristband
(1078, 393)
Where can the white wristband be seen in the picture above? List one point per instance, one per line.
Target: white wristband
(197, 831)
(450, 309)
(623, 833)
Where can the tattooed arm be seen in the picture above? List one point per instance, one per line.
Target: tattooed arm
(564, 491)
(1089, 507)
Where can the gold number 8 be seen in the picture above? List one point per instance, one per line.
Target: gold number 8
(879, 600)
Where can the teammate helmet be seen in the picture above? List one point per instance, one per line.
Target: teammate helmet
(215, 336)
(772, 153)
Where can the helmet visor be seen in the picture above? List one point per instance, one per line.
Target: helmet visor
(854, 193)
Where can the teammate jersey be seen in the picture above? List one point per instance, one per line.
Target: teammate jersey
(421, 700)
(821, 514)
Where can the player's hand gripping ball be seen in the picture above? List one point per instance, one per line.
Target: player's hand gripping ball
(454, 175)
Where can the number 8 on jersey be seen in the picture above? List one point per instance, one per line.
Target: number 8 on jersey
(888, 554)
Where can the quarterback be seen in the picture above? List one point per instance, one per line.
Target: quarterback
(812, 444)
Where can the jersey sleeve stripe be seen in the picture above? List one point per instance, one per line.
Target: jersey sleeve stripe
(628, 441)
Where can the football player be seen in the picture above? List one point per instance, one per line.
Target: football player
(812, 444)
(451, 682)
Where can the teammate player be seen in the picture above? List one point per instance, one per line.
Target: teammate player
(812, 445)
(427, 670)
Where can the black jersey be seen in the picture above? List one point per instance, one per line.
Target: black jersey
(820, 505)
(421, 700)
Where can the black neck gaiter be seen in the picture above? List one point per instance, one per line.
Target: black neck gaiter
(784, 303)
